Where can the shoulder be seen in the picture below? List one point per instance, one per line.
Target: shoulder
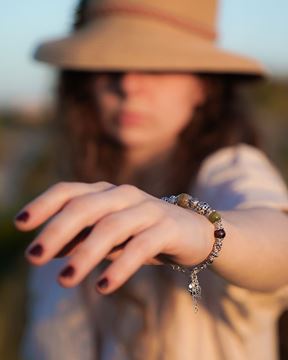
(240, 176)
(236, 156)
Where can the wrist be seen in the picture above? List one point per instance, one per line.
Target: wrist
(206, 238)
(204, 209)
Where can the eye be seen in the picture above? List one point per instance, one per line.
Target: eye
(111, 76)
(109, 80)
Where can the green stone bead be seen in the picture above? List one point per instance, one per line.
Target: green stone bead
(183, 200)
(214, 216)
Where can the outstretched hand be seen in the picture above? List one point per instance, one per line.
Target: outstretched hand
(121, 223)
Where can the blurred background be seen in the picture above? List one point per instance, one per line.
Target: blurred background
(258, 29)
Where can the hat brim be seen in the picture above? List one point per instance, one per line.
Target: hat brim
(127, 44)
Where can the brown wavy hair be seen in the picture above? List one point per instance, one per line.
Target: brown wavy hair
(138, 312)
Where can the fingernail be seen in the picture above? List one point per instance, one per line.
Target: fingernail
(36, 250)
(68, 271)
(22, 216)
(103, 283)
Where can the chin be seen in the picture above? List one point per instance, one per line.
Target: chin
(133, 143)
(132, 139)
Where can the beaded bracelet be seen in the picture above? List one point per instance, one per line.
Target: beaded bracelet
(202, 208)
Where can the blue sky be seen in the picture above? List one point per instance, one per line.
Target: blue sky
(257, 28)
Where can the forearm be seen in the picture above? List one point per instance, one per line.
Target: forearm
(254, 252)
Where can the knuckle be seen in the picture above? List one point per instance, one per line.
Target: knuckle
(111, 221)
(84, 252)
(119, 277)
(128, 189)
(152, 206)
(140, 246)
(60, 186)
(101, 184)
(78, 203)
(64, 186)
(52, 230)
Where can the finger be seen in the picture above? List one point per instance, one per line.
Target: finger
(70, 248)
(113, 232)
(140, 249)
(79, 213)
(53, 200)
(117, 251)
(114, 256)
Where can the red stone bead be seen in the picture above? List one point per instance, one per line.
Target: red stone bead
(220, 233)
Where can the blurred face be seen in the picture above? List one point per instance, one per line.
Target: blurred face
(146, 109)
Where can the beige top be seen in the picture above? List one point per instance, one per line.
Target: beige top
(232, 322)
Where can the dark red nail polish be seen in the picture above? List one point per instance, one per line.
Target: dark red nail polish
(36, 250)
(103, 283)
(68, 271)
(22, 216)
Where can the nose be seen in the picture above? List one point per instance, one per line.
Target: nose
(130, 82)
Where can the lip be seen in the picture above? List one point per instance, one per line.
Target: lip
(131, 118)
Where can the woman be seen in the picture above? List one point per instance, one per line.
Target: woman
(148, 105)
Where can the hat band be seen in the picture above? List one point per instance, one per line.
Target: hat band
(169, 18)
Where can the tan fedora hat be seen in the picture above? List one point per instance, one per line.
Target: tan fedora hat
(168, 35)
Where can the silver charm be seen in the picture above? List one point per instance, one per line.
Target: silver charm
(195, 290)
